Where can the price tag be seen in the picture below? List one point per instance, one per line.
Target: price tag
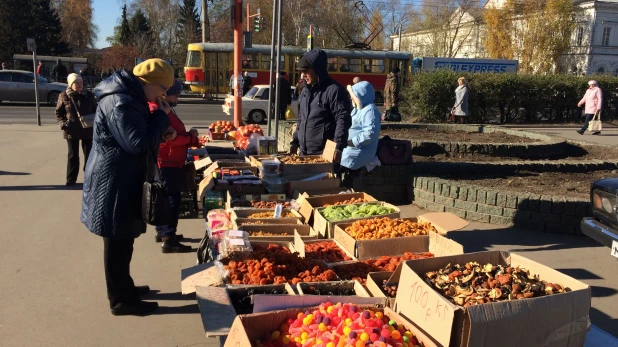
(614, 251)
(236, 233)
(278, 210)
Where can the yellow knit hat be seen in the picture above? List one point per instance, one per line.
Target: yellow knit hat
(155, 71)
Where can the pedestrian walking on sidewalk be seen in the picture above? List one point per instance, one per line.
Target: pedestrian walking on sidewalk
(593, 99)
(171, 160)
(126, 138)
(460, 110)
(72, 103)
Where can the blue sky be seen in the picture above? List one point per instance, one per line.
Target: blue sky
(106, 13)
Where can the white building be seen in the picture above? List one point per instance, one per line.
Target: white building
(594, 47)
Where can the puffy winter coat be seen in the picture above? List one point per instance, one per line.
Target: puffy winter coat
(66, 114)
(324, 110)
(124, 132)
(173, 153)
(461, 101)
(593, 100)
(365, 130)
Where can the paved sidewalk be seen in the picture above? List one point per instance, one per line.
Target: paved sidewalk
(609, 135)
(52, 273)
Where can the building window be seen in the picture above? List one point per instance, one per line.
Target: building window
(601, 71)
(606, 33)
(580, 36)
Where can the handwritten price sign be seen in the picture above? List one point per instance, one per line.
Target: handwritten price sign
(424, 306)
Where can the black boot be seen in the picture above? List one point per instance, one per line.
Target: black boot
(179, 237)
(142, 290)
(172, 245)
(142, 308)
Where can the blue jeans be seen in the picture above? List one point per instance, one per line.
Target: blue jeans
(586, 122)
(170, 229)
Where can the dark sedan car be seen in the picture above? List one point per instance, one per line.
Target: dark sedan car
(18, 85)
(603, 226)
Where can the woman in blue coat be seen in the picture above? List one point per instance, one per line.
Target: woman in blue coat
(124, 133)
(364, 133)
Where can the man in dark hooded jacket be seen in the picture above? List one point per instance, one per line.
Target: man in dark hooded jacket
(325, 109)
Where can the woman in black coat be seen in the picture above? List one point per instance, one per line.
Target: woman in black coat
(125, 132)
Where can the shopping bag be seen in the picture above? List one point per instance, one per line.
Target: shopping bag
(156, 208)
(289, 114)
(595, 124)
(392, 115)
(394, 152)
(87, 121)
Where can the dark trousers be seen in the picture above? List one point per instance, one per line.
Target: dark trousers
(586, 122)
(117, 261)
(170, 229)
(73, 162)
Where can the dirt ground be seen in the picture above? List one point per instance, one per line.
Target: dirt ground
(454, 136)
(547, 183)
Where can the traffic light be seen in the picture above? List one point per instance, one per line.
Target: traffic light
(263, 24)
(256, 24)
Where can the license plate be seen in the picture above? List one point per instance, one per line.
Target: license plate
(614, 251)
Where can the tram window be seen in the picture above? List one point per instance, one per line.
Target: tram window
(332, 64)
(354, 65)
(194, 59)
(206, 61)
(250, 61)
(344, 66)
(266, 62)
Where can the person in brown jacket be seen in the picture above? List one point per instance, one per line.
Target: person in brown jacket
(76, 96)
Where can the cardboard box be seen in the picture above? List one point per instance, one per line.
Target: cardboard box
(286, 232)
(316, 168)
(374, 286)
(288, 244)
(329, 183)
(302, 288)
(247, 329)
(327, 229)
(251, 197)
(309, 204)
(299, 245)
(240, 222)
(216, 309)
(434, 243)
(321, 192)
(231, 166)
(209, 183)
(553, 320)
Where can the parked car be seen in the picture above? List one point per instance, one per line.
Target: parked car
(603, 226)
(18, 85)
(255, 104)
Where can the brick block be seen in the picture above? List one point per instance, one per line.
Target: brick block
(423, 195)
(534, 202)
(491, 198)
(456, 211)
(501, 199)
(463, 193)
(509, 213)
(570, 206)
(511, 201)
(550, 218)
(466, 205)
(477, 217)
(559, 228)
(426, 184)
(570, 220)
(583, 209)
(435, 207)
(545, 204)
(444, 201)
(522, 215)
(501, 220)
(481, 196)
(454, 192)
(446, 189)
(536, 217)
(472, 194)
(493, 210)
(421, 202)
(557, 205)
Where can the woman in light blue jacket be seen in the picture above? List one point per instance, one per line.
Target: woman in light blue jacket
(364, 134)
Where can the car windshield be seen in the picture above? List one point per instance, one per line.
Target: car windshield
(251, 93)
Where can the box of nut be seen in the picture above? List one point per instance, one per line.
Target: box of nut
(329, 250)
(493, 299)
(379, 285)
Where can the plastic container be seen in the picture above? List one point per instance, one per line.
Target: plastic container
(236, 234)
(229, 246)
(270, 167)
(275, 184)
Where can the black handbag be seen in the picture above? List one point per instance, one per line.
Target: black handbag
(394, 152)
(392, 115)
(155, 204)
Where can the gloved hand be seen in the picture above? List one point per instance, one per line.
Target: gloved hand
(293, 149)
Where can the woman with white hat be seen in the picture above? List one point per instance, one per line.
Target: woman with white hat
(75, 101)
(593, 101)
